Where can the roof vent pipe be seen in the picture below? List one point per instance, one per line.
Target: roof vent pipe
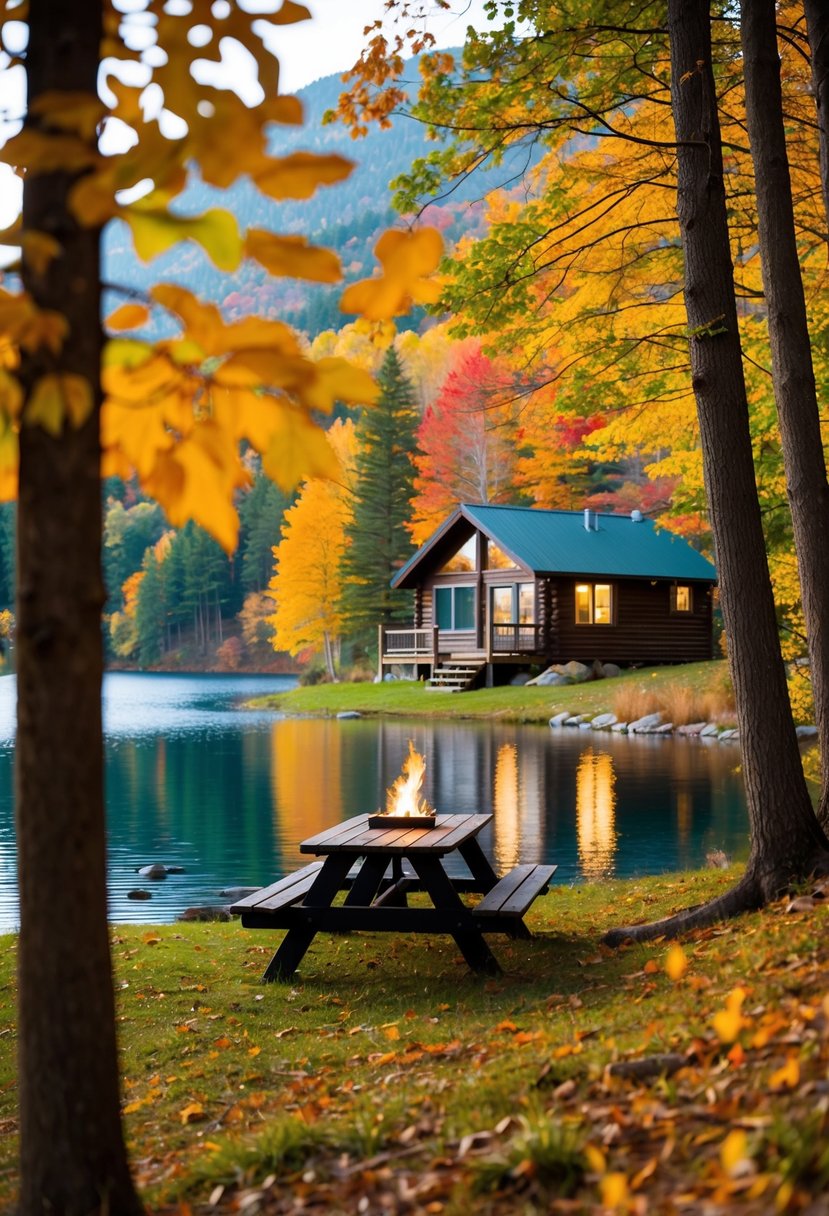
(587, 521)
(636, 516)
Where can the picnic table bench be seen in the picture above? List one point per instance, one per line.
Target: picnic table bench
(391, 863)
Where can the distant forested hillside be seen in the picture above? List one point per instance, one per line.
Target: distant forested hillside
(347, 217)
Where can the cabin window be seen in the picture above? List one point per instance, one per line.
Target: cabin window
(502, 606)
(681, 599)
(513, 605)
(594, 604)
(526, 603)
(455, 608)
(463, 560)
(497, 559)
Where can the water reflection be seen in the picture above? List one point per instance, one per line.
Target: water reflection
(596, 814)
(229, 795)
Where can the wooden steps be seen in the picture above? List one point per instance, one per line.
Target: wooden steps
(455, 677)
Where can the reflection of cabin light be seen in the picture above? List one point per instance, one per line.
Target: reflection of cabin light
(596, 814)
(505, 802)
(684, 808)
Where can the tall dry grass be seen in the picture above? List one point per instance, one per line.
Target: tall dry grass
(678, 703)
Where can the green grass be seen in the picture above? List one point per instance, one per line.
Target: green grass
(410, 699)
(386, 1049)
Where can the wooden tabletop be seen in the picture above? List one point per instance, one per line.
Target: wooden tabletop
(356, 837)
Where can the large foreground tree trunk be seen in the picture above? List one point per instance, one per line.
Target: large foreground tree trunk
(786, 839)
(817, 27)
(72, 1157)
(791, 352)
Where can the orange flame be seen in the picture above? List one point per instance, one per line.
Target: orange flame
(403, 797)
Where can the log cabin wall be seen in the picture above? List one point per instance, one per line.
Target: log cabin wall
(645, 629)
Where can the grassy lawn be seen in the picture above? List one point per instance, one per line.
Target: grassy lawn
(387, 1070)
(409, 699)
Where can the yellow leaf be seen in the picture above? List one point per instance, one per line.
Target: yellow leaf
(406, 257)
(39, 153)
(289, 13)
(192, 1113)
(56, 397)
(254, 1051)
(299, 175)
(298, 449)
(338, 380)
(733, 1151)
(75, 112)
(729, 1022)
(150, 938)
(292, 255)
(614, 1190)
(786, 1077)
(391, 1032)
(154, 230)
(132, 1107)
(595, 1158)
(11, 395)
(676, 963)
(128, 316)
(39, 250)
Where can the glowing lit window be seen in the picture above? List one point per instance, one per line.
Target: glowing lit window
(594, 604)
(681, 600)
(463, 560)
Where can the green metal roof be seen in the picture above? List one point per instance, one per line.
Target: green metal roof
(557, 542)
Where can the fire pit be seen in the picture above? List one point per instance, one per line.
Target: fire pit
(404, 806)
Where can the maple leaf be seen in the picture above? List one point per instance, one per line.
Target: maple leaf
(407, 259)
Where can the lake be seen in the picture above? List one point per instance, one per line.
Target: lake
(194, 779)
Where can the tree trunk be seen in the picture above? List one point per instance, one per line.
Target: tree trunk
(786, 840)
(817, 26)
(72, 1157)
(791, 352)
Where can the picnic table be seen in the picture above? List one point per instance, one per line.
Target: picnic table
(392, 862)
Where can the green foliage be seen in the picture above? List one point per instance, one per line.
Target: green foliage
(128, 533)
(150, 612)
(379, 542)
(8, 580)
(260, 514)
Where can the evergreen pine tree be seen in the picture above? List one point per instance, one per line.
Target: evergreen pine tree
(150, 612)
(379, 543)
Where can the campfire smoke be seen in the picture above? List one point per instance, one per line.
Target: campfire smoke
(403, 796)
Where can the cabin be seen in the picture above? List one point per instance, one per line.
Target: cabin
(500, 589)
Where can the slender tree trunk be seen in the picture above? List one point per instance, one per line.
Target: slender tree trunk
(786, 839)
(72, 1157)
(817, 26)
(791, 351)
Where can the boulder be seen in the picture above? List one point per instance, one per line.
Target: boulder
(610, 671)
(348, 713)
(667, 728)
(709, 731)
(519, 680)
(603, 721)
(597, 670)
(620, 728)
(576, 720)
(691, 728)
(643, 726)
(727, 736)
(549, 679)
(585, 725)
(156, 870)
(559, 719)
(577, 672)
(137, 893)
(234, 893)
(205, 912)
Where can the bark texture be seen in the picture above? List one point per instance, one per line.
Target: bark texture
(786, 839)
(72, 1157)
(817, 27)
(791, 352)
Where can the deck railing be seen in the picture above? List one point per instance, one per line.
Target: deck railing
(514, 638)
(404, 644)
